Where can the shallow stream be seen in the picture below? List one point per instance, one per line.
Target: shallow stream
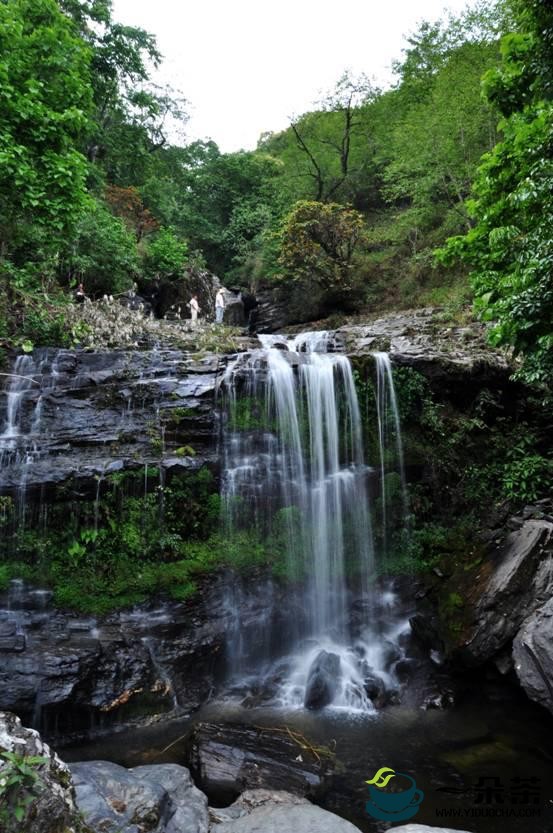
(465, 759)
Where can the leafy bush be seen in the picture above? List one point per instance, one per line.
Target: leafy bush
(20, 782)
(104, 254)
(165, 256)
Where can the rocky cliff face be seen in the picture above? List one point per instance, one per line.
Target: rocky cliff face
(503, 612)
(76, 676)
(80, 415)
(425, 340)
(75, 419)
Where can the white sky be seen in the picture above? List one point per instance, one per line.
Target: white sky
(246, 66)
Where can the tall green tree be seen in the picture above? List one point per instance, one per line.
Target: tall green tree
(132, 115)
(510, 248)
(45, 101)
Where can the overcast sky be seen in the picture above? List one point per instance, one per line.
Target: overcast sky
(246, 66)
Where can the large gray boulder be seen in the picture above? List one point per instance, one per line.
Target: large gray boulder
(269, 811)
(53, 808)
(520, 582)
(533, 656)
(323, 680)
(159, 799)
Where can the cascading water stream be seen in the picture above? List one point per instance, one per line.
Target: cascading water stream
(390, 442)
(294, 472)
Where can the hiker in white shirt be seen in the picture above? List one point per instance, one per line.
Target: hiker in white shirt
(219, 305)
(194, 308)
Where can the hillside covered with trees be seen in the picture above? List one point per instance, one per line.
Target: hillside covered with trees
(99, 185)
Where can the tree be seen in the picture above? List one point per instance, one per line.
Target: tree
(103, 253)
(131, 113)
(510, 249)
(220, 203)
(327, 140)
(127, 204)
(437, 141)
(165, 256)
(317, 243)
(45, 100)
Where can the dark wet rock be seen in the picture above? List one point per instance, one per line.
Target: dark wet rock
(91, 413)
(234, 314)
(404, 669)
(82, 676)
(440, 698)
(503, 662)
(53, 809)
(520, 582)
(375, 688)
(158, 799)
(226, 759)
(272, 811)
(426, 629)
(533, 656)
(78, 676)
(279, 308)
(323, 680)
(16, 643)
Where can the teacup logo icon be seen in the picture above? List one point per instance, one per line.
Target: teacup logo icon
(393, 796)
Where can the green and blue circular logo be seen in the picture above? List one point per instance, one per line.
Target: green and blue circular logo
(393, 796)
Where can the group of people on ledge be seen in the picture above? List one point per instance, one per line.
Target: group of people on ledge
(193, 305)
(219, 306)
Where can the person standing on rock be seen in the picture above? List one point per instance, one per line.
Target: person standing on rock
(194, 309)
(219, 305)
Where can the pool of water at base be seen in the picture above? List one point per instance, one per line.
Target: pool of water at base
(466, 760)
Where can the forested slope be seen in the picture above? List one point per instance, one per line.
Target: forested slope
(98, 183)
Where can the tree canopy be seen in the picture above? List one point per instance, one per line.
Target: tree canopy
(98, 182)
(510, 248)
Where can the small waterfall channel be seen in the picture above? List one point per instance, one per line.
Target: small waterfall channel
(295, 473)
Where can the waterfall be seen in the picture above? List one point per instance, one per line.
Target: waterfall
(294, 472)
(21, 381)
(390, 443)
(16, 446)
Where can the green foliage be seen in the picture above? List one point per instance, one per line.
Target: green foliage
(247, 414)
(44, 115)
(222, 204)
(437, 143)
(79, 107)
(165, 256)
(118, 550)
(317, 244)
(20, 783)
(527, 478)
(510, 249)
(324, 153)
(425, 545)
(104, 254)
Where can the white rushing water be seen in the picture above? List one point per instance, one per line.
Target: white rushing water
(294, 470)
